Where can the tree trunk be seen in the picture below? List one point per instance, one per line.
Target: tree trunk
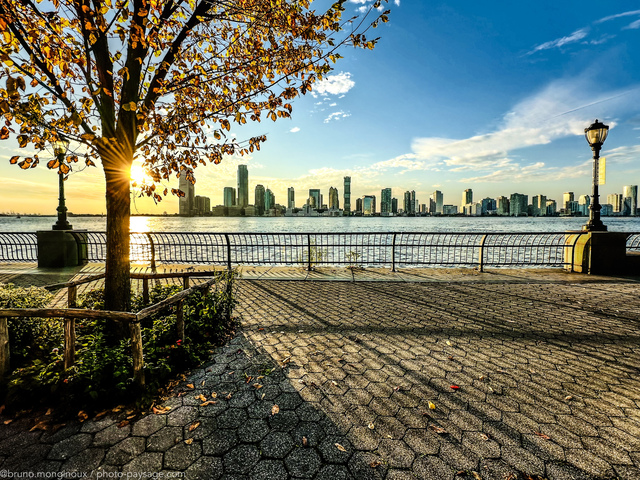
(117, 284)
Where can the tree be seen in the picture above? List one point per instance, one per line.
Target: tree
(158, 79)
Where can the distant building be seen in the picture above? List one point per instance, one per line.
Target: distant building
(616, 201)
(572, 208)
(202, 205)
(229, 197)
(473, 209)
(502, 206)
(438, 200)
(359, 205)
(467, 197)
(394, 206)
(583, 204)
(518, 204)
(269, 200)
(552, 208)
(449, 209)
(539, 206)
(630, 200)
(369, 205)
(243, 186)
(347, 195)
(317, 200)
(334, 199)
(385, 201)
(488, 205)
(259, 203)
(291, 198)
(186, 204)
(566, 198)
(606, 209)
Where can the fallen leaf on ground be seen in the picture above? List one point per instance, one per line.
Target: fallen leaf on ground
(228, 397)
(201, 397)
(275, 409)
(542, 435)
(375, 464)
(123, 423)
(193, 426)
(450, 357)
(39, 426)
(49, 411)
(190, 386)
(263, 395)
(102, 413)
(248, 379)
(568, 397)
(160, 410)
(258, 386)
(208, 402)
(202, 384)
(340, 447)
(231, 373)
(82, 415)
(484, 436)
(334, 383)
(455, 387)
(286, 360)
(432, 406)
(371, 426)
(305, 442)
(476, 475)
(437, 429)
(7, 422)
(189, 441)
(448, 342)
(130, 417)
(214, 394)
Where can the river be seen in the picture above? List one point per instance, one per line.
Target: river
(327, 224)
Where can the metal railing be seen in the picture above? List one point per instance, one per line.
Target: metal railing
(390, 250)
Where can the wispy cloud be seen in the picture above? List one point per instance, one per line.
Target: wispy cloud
(619, 15)
(336, 116)
(632, 26)
(560, 42)
(295, 130)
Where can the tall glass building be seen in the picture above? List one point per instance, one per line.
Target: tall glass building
(347, 195)
(385, 201)
(243, 186)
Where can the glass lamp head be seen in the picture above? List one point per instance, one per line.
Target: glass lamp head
(596, 133)
(60, 146)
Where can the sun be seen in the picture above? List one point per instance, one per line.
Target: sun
(138, 175)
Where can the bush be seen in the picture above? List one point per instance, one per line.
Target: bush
(30, 339)
(104, 366)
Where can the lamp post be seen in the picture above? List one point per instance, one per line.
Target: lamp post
(60, 147)
(595, 134)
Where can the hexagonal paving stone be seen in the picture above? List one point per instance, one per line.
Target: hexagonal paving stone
(182, 455)
(219, 442)
(276, 445)
(303, 462)
(241, 459)
(253, 430)
(68, 447)
(268, 470)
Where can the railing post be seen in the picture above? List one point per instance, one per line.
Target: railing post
(4, 347)
(69, 342)
(153, 252)
(308, 253)
(145, 290)
(481, 253)
(226, 236)
(137, 354)
(72, 293)
(393, 253)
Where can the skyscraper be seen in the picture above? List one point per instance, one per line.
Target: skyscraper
(315, 194)
(567, 197)
(385, 201)
(347, 195)
(413, 202)
(260, 200)
(615, 199)
(502, 205)
(630, 201)
(229, 196)
(467, 197)
(243, 186)
(291, 198)
(369, 205)
(583, 204)
(186, 204)
(334, 201)
(406, 204)
(438, 199)
(269, 200)
(539, 204)
(518, 204)
(394, 206)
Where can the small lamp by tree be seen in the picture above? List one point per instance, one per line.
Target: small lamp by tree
(60, 148)
(595, 134)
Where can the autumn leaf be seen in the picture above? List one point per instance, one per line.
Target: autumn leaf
(201, 397)
(275, 409)
(13, 160)
(542, 435)
(123, 423)
(193, 426)
(258, 386)
(40, 426)
(455, 387)
(305, 442)
(432, 406)
(208, 402)
(189, 441)
(437, 429)
(82, 415)
(190, 386)
(340, 447)
(375, 464)
(371, 426)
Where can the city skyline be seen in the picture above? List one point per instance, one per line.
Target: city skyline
(499, 106)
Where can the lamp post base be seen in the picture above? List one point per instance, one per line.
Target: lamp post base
(592, 226)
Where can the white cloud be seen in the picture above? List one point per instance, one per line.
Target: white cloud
(336, 116)
(559, 42)
(294, 129)
(397, 2)
(633, 25)
(334, 84)
(619, 15)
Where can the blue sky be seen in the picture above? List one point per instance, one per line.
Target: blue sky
(492, 96)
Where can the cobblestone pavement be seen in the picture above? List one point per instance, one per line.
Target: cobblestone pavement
(498, 379)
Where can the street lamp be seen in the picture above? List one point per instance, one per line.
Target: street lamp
(60, 147)
(595, 134)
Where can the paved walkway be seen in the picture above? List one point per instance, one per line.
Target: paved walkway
(357, 379)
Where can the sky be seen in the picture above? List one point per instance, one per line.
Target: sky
(491, 96)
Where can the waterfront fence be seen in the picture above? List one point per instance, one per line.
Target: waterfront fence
(391, 250)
